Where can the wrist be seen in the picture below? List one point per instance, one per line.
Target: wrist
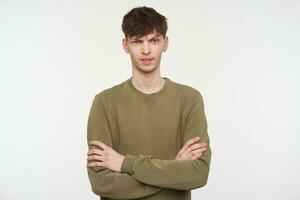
(127, 164)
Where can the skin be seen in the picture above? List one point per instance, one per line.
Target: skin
(191, 150)
(111, 159)
(146, 78)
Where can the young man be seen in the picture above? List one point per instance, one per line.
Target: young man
(144, 134)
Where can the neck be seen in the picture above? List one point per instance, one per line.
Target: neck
(147, 83)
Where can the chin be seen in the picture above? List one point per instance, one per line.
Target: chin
(147, 69)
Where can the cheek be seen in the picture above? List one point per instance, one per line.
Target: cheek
(158, 50)
(134, 58)
(158, 53)
(134, 54)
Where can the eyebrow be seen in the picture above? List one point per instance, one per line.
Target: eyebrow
(149, 39)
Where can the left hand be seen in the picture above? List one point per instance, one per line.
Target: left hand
(107, 157)
(191, 150)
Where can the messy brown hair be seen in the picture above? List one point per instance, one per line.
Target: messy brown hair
(141, 21)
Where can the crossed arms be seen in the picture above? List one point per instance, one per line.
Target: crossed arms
(119, 176)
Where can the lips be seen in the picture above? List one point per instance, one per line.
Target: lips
(146, 60)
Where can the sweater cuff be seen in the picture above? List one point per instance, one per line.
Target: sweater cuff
(127, 165)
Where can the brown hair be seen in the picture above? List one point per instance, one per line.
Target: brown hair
(143, 20)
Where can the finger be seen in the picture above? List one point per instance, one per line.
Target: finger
(196, 146)
(196, 156)
(95, 157)
(197, 152)
(187, 144)
(95, 151)
(190, 153)
(191, 141)
(203, 144)
(98, 143)
(95, 164)
(191, 148)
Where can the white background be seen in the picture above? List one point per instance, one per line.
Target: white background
(243, 56)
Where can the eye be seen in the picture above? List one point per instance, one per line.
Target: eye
(136, 41)
(155, 40)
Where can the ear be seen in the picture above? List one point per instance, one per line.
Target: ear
(125, 45)
(166, 44)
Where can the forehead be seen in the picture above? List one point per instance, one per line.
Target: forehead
(148, 36)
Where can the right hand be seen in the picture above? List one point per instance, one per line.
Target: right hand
(191, 150)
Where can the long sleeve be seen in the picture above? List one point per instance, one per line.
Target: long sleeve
(176, 174)
(105, 182)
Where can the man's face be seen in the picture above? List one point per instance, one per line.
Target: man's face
(146, 51)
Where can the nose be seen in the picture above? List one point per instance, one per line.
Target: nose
(145, 48)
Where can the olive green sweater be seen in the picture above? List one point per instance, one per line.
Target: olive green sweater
(149, 130)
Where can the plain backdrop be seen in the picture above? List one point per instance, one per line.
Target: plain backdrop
(243, 56)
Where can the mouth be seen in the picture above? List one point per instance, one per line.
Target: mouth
(146, 60)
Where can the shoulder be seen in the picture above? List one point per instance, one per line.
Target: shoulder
(188, 93)
(110, 94)
(191, 98)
